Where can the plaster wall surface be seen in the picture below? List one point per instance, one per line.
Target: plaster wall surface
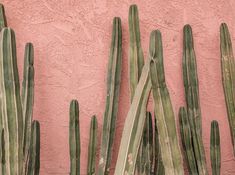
(72, 40)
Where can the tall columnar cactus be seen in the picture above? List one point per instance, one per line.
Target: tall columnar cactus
(11, 111)
(192, 99)
(186, 137)
(136, 56)
(111, 108)
(134, 126)
(215, 148)
(228, 77)
(170, 150)
(158, 165)
(33, 164)
(146, 158)
(74, 138)
(92, 146)
(27, 96)
(3, 22)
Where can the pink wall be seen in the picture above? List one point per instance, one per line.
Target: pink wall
(72, 39)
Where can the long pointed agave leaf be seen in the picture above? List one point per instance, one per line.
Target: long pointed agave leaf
(215, 148)
(11, 103)
(186, 138)
(3, 21)
(146, 161)
(34, 152)
(92, 146)
(192, 99)
(27, 97)
(228, 77)
(113, 86)
(134, 125)
(136, 56)
(171, 155)
(74, 138)
(158, 165)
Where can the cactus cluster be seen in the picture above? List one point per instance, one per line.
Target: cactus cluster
(20, 137)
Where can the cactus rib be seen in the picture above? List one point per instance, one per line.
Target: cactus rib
(33, 165)
(136, 56)
(74, 138)
(171, 155)
(11, 103)
(215, 148)
(192, 99)
(92, 146)
(228, 77)
(111, 108)
(186, 138)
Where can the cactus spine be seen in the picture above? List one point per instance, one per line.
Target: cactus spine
(113, 86)
(171, 155)
(92, 146)
(34, 150)
(136, 56)
(186, 138)
(215, 148)
(228, 77)
(74, 138)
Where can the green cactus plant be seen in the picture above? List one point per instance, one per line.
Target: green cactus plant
(111, 108)
(74, 138)
(136, 56)
(192, 99)
(146, 158)
(228, 77)
(185, 132)
(33, 164)
(170, 151)
(92, 146)
(158, 165)
(3, 21)
(215, 148)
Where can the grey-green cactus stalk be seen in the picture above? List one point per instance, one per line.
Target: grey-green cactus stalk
(111, 108)
(168, 139)
(228, 77)
(158, 165)
(136, 56)
(215, 148)
(146, 158)
(27, 97)
(74, 138)
(134, 126)
(11, 111)
(33, 165)
(186, 138)
(3, 22)
(192, 99)
(92, 146)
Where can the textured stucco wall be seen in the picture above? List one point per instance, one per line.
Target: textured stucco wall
(72, 38)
